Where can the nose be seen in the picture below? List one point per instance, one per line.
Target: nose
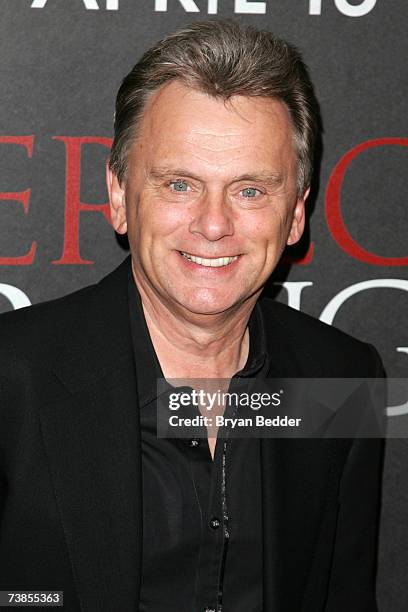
(213, 217)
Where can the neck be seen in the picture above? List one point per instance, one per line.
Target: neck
(191, 345)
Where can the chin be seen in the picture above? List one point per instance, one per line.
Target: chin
(207, 306)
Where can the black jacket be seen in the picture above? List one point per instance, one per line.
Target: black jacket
(70, 462)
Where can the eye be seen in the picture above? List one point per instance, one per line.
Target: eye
(250, 192)
(178, 185)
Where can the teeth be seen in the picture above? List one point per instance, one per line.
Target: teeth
(215, 262)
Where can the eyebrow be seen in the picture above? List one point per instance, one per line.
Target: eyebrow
(276, 178)
(161, 172)
(273, 179)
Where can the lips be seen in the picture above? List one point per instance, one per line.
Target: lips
(213, 262)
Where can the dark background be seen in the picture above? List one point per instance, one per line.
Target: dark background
(61, 66)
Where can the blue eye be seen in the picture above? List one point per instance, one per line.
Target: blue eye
(249, 192)
(179, 185)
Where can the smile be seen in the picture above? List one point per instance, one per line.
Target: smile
(214, 262)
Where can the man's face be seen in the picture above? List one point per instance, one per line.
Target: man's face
(210, 199)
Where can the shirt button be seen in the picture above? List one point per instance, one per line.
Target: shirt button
(215, 523)
(194, 442)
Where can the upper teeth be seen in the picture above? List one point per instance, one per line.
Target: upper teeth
(216, 262)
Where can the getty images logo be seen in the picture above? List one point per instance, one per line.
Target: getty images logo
(240, 6)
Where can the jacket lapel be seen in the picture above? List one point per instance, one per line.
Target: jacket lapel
(92, 439)
(297, 484)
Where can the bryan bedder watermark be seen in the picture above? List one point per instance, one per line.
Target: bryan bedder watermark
(210, 402)
(221, 421)
(250, 407)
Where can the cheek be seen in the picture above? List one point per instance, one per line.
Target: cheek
(267, 231)
(157, 218)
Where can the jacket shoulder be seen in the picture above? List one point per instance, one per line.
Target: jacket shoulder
(42, 324)
(66, 318)
(336, 352)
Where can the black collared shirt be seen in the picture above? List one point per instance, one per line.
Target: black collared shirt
(202, 521)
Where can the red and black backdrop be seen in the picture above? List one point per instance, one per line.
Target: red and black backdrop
(61, 64)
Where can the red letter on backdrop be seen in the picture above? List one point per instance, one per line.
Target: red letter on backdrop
(333, 206)
(19, 196)
(73, 205)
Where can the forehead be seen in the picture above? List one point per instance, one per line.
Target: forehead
(181, 121)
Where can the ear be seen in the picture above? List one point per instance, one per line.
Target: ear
(117, 202)
(298, 219)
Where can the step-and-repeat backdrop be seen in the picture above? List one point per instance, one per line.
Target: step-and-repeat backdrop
(61, 64)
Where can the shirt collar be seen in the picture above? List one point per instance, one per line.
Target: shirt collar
(148, 366)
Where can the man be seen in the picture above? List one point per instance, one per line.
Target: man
(209, 174)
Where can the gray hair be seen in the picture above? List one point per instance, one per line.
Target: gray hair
(222, 58)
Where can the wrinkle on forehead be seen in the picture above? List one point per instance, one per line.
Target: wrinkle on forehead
(214, 146)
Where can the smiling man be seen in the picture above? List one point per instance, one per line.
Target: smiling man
(209, 173)
(209, 202)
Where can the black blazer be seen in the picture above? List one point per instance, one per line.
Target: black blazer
(70, 462)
